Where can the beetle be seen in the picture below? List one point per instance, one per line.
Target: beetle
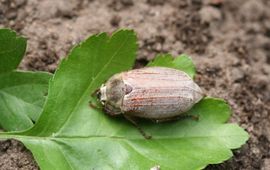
(156, 93)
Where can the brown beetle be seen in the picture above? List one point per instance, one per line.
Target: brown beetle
(156, 93)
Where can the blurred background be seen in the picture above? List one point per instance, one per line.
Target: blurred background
(229, 40)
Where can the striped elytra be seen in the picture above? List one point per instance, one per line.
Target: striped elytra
(152, 92)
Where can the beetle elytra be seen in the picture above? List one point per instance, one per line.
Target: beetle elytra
(156, 93)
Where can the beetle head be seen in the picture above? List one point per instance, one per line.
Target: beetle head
(111, 94)
(101, 94)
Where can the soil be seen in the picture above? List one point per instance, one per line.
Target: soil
(229, 40)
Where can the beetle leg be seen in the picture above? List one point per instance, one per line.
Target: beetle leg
(94, 106)
(131, 119)
(193, 117)
(110, 111)
(164, 120)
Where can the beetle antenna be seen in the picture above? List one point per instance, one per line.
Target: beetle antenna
(96, 92)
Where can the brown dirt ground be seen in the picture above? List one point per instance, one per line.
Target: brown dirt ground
(229, 40)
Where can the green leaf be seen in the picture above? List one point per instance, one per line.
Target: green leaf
(72, 135)
(22, 95)
(182, 62)
(85, 69)
(12, 49)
